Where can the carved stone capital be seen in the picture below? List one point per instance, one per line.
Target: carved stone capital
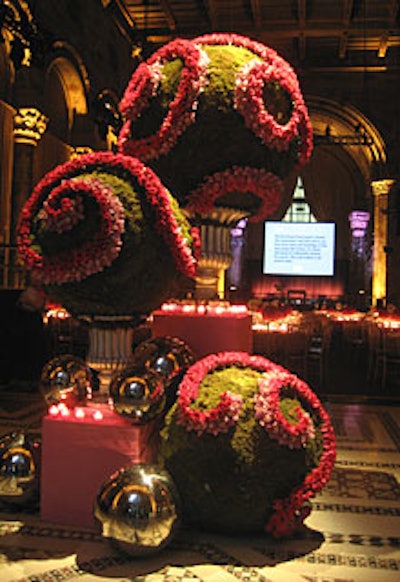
(381, 187)
(29, 125)
(80, 151)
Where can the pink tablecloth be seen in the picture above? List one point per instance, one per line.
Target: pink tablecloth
(78, 455)
(206, 334)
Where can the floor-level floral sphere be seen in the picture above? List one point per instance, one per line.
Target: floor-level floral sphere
(138, 509)
(248, 444)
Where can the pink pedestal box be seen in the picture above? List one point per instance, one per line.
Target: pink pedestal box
(206, 334)
(79, 454)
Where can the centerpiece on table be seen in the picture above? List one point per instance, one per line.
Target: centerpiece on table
(104, 238)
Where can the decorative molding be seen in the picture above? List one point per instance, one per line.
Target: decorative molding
(381, 187)
(81, 151)
(29, 125)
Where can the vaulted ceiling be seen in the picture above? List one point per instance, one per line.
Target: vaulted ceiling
(309, 33)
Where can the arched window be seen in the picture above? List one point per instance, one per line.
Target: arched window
(299, 210)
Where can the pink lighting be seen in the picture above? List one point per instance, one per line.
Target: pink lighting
(213, 308)
(87, 414)
(359, 220)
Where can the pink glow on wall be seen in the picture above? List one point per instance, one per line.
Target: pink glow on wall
(313, 286)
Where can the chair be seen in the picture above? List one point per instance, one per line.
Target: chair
(296, 350)
(374, 351)
(355, 339)
(387, 358)
(270, 345)
(318, 353)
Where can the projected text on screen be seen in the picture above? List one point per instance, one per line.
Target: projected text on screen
(299, 248)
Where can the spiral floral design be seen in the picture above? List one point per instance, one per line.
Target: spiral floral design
(289, 512)
(270, 416)
(73, 224)
(265, 186)
(226, 413)
(144, 85)
(275, 382)
(249, 101)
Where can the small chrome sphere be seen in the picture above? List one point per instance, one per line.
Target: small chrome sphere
(138, 509)
(20, 457)
(170, 357)
(66, 379)
(138, 394)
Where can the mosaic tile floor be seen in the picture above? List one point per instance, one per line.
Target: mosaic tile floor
(352, 534)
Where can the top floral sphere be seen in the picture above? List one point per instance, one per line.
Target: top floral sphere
(222, 121)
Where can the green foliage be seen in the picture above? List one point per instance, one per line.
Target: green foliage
(225, 63)
(233, 379)
(228, 482)
(144, 273)
(171, 77)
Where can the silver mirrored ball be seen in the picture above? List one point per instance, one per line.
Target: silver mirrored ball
(137, 508)
(66, 379)
(20, 458)
(138, 394)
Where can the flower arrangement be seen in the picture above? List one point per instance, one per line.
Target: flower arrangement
(222, 121)
(246, 418)
(102, 236)
(147, 83)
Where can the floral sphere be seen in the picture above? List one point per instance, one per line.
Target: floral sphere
(102, 236)
(243, 416)
(222, 121)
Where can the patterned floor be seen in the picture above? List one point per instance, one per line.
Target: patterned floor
(352, 534)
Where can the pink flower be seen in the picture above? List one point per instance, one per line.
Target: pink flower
(265, 185)
(63, 198)
(226, 414)
(144, 85)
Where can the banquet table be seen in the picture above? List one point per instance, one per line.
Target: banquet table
(206, 334)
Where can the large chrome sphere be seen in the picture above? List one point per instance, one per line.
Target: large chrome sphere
(20, 457)
(66, 379)
(138, 394)
(138, 509)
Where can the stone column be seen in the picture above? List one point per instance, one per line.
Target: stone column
(29, 126)
(380, 190)
(6, 164)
